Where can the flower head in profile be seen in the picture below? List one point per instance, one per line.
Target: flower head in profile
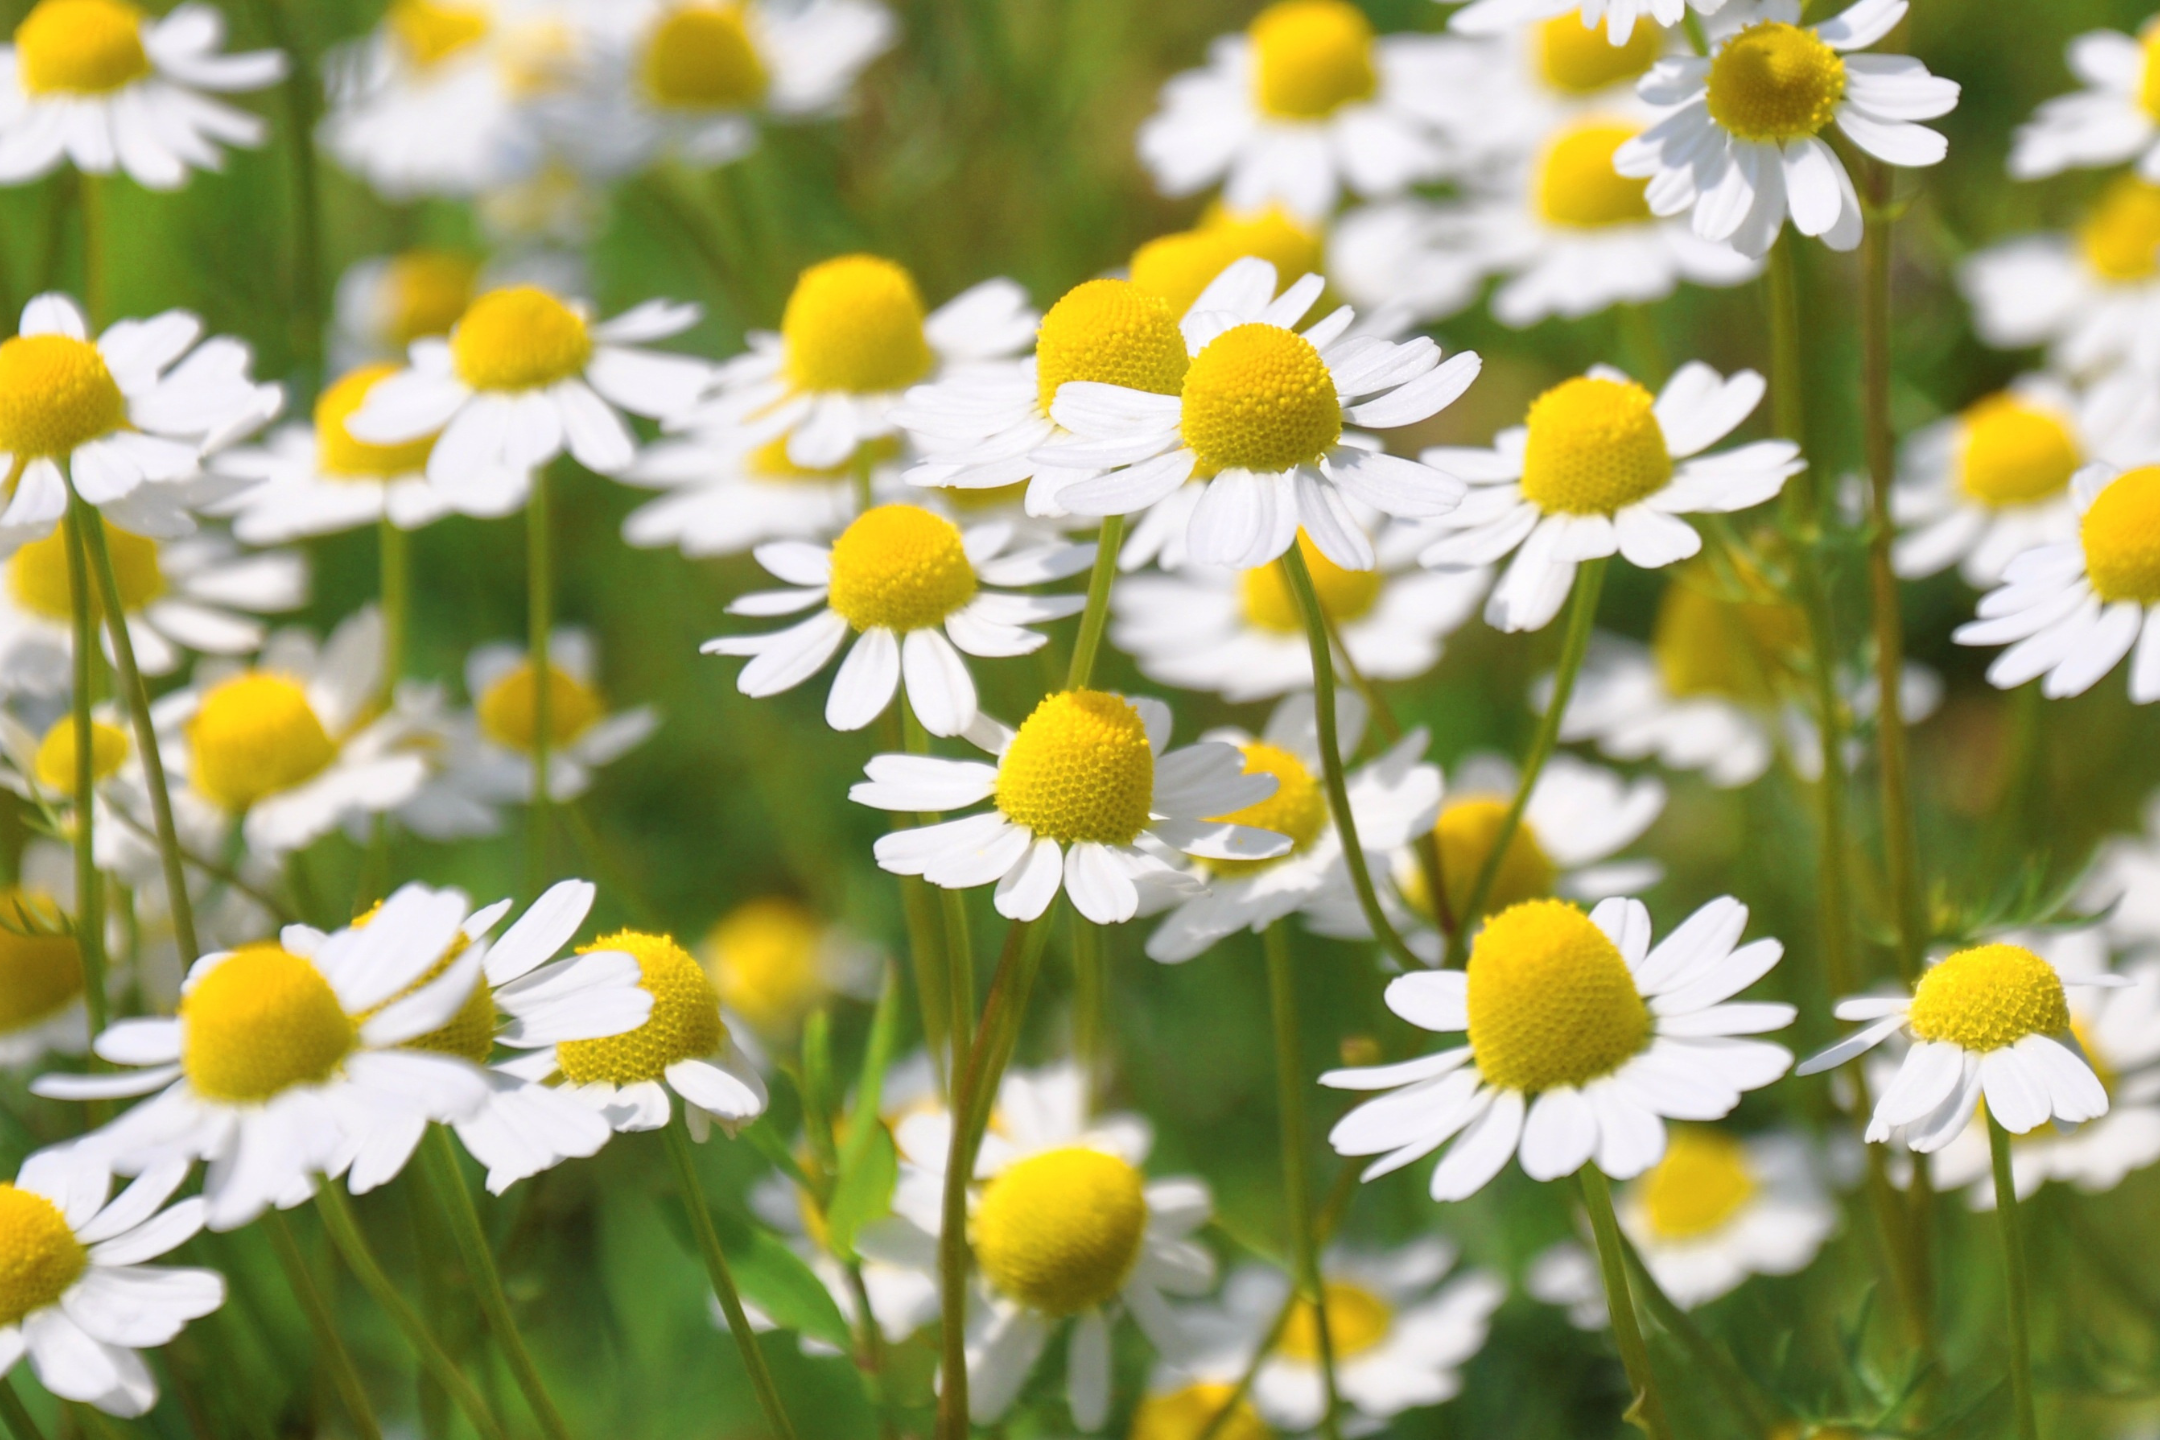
(725, 492)
(2113, 120)
(1178, 267)
(386, 302)
(41, 980)
(773, 960)
(2091, 294)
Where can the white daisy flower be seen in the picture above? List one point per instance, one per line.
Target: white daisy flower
(1267, 470)
(524, 376)
(1304, 104)
(124, 419)
(2114, 120)
(852, 339)
(726, 493)
(1600, 466)
(1083, 798)
(102, 86)
(386, 302)
(41, 978)
(1993, 1021)
(910, 584)
(79, 1300)
(1583, 1041)
(2071, 610)
(1391, 799)
(773, 960)
(1566, 1275)
(1743, 147)
(277, 1062)
(2091, 296)
(2123, 887)
(1619, 17)
(1179, 267)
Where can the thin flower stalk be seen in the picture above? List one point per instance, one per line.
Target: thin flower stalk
(1290, 1082)
(329, 1346)
(1648, 1409)
(89, 880)
(1092, 619)
(540, 622)
(2015, 1277)
(18, 1418)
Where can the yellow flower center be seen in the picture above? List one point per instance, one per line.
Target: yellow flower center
(55, 394)
(38, 574)
(254, 736)
(341, 457)
(763, 959)
(1298, 808)
(507, 711)
(423, 294)
(471, 1031)
(519, 338)
(1311, 57)
(1705, 644)
(1701, 1184)
(2149, 82)
(770, 462)
(80, 47)
(1775, 81)
(1110, 331)
(261, 1023)
(2121, 236)
(1576, 183)
(2121, 534)
(40, 969)
(684, 1023)
(431, 31)
(2015, 452)
(1595, 448)
(1357, 1320)
(1989, 996)
(1577, 59)
(1178, 267)
(55, 759)
(855, 324)
(1259, 397)
(39, 1255)
(1466, 831)
(1060, 1231)
(1551, 1001)
(900, 567)
(701, 58)
(1345, 595)
(1186, 1414)
(1079, 769)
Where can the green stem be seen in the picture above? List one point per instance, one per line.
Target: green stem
(1648, 1410)
(1297, 1186)
(19, 1423)
(90, 196)
(859, 472)
(343, 1377)
(959, 948)
(1092, 619)
(540, 621)
(89, 887)
(300, 117)
(2006, 1211)
(1741, 1393)
(1090, 1001)
(926, 948)
(1788, 381)
(394, 552)
(676, 1135)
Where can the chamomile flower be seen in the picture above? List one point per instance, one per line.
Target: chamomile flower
(727, 493)
(1619, 17)
(1992, 1020)
(852, 340)
(1083, 798)
(1184, 1399)
(2090, 295)
(1267, 469)
(125, 418)
(386, 302)
(1179, 266)
(910, 583)
(1601, 466)
(1742, 148)
(1391, 799)
(102, 86)
(1583, 1041)
(1303, 105)
(2123, 887)
(41, 980)
(773, 960)
(2115, 119)
(277, 1061)
(523, 376)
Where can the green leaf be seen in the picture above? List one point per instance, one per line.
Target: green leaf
(869, 1168)
(779, 1282)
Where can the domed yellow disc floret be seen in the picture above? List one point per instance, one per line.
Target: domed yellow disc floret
(341, 457)
(1357, 1320)
(1178, 267)
(1989, 996)
(701, 58)
(1113, 332)
(423, 294)
(40, 969)
(261, 1023)
(1551, 1001)
(1311, 57)
(471, 1031)
(431, 31)
(508, 711)
(1079, 770)
(2120, 238)
(80, 47)
(519, 338)
(1576, 183)
(900, 567)
(1259, 397)
(1775, 81)
(855, 324)
(1706, 644)
(763, 958)
(1189, 1412)
(1577, 59)
(1298, 808)
(1059, 1231)
(255, 735)
(1466, 831)
(1345, 595)
(55, 394)
(2015, 452)
(684, 1023)
(39, 1255)
(2121, 534)
(1701, 1184)
(38, 574)
(1595, 448)
(55, 760)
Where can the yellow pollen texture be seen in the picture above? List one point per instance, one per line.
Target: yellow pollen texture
(339, 455)
(1345, 595)
(254, 736)
(763, 959)
(2015, 452)
(684, 1023)
(855, 324)
(1576, 183)
(1987, 997)
(1357, 1320)
(1298, 808)
(55, 759)
(1702, 1183)
(1311, 57)
(423, 294)
(1179, 266)
(1059, 1231)
(39, 1255)
(1595, 448)
(1775, 81)
(1259, 397)
(701, 58)
(1466, 831)
(261, 1023)
(900, 567)
(1079, 770)
(519, 338)
(38, 574)
(431, 31)
(41, 973)
(2121, 535)
(508, 711)
(1551, 1001)
(80, 47)
(1110, 331)
(55, 394)
(1189, 1412)
(2120, 238)
(1577, 59)
(1705, 644)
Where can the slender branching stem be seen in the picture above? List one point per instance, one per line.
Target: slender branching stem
(2014, 1274)
(329, 1347)
(1648, 1409)
(1297, 1185)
